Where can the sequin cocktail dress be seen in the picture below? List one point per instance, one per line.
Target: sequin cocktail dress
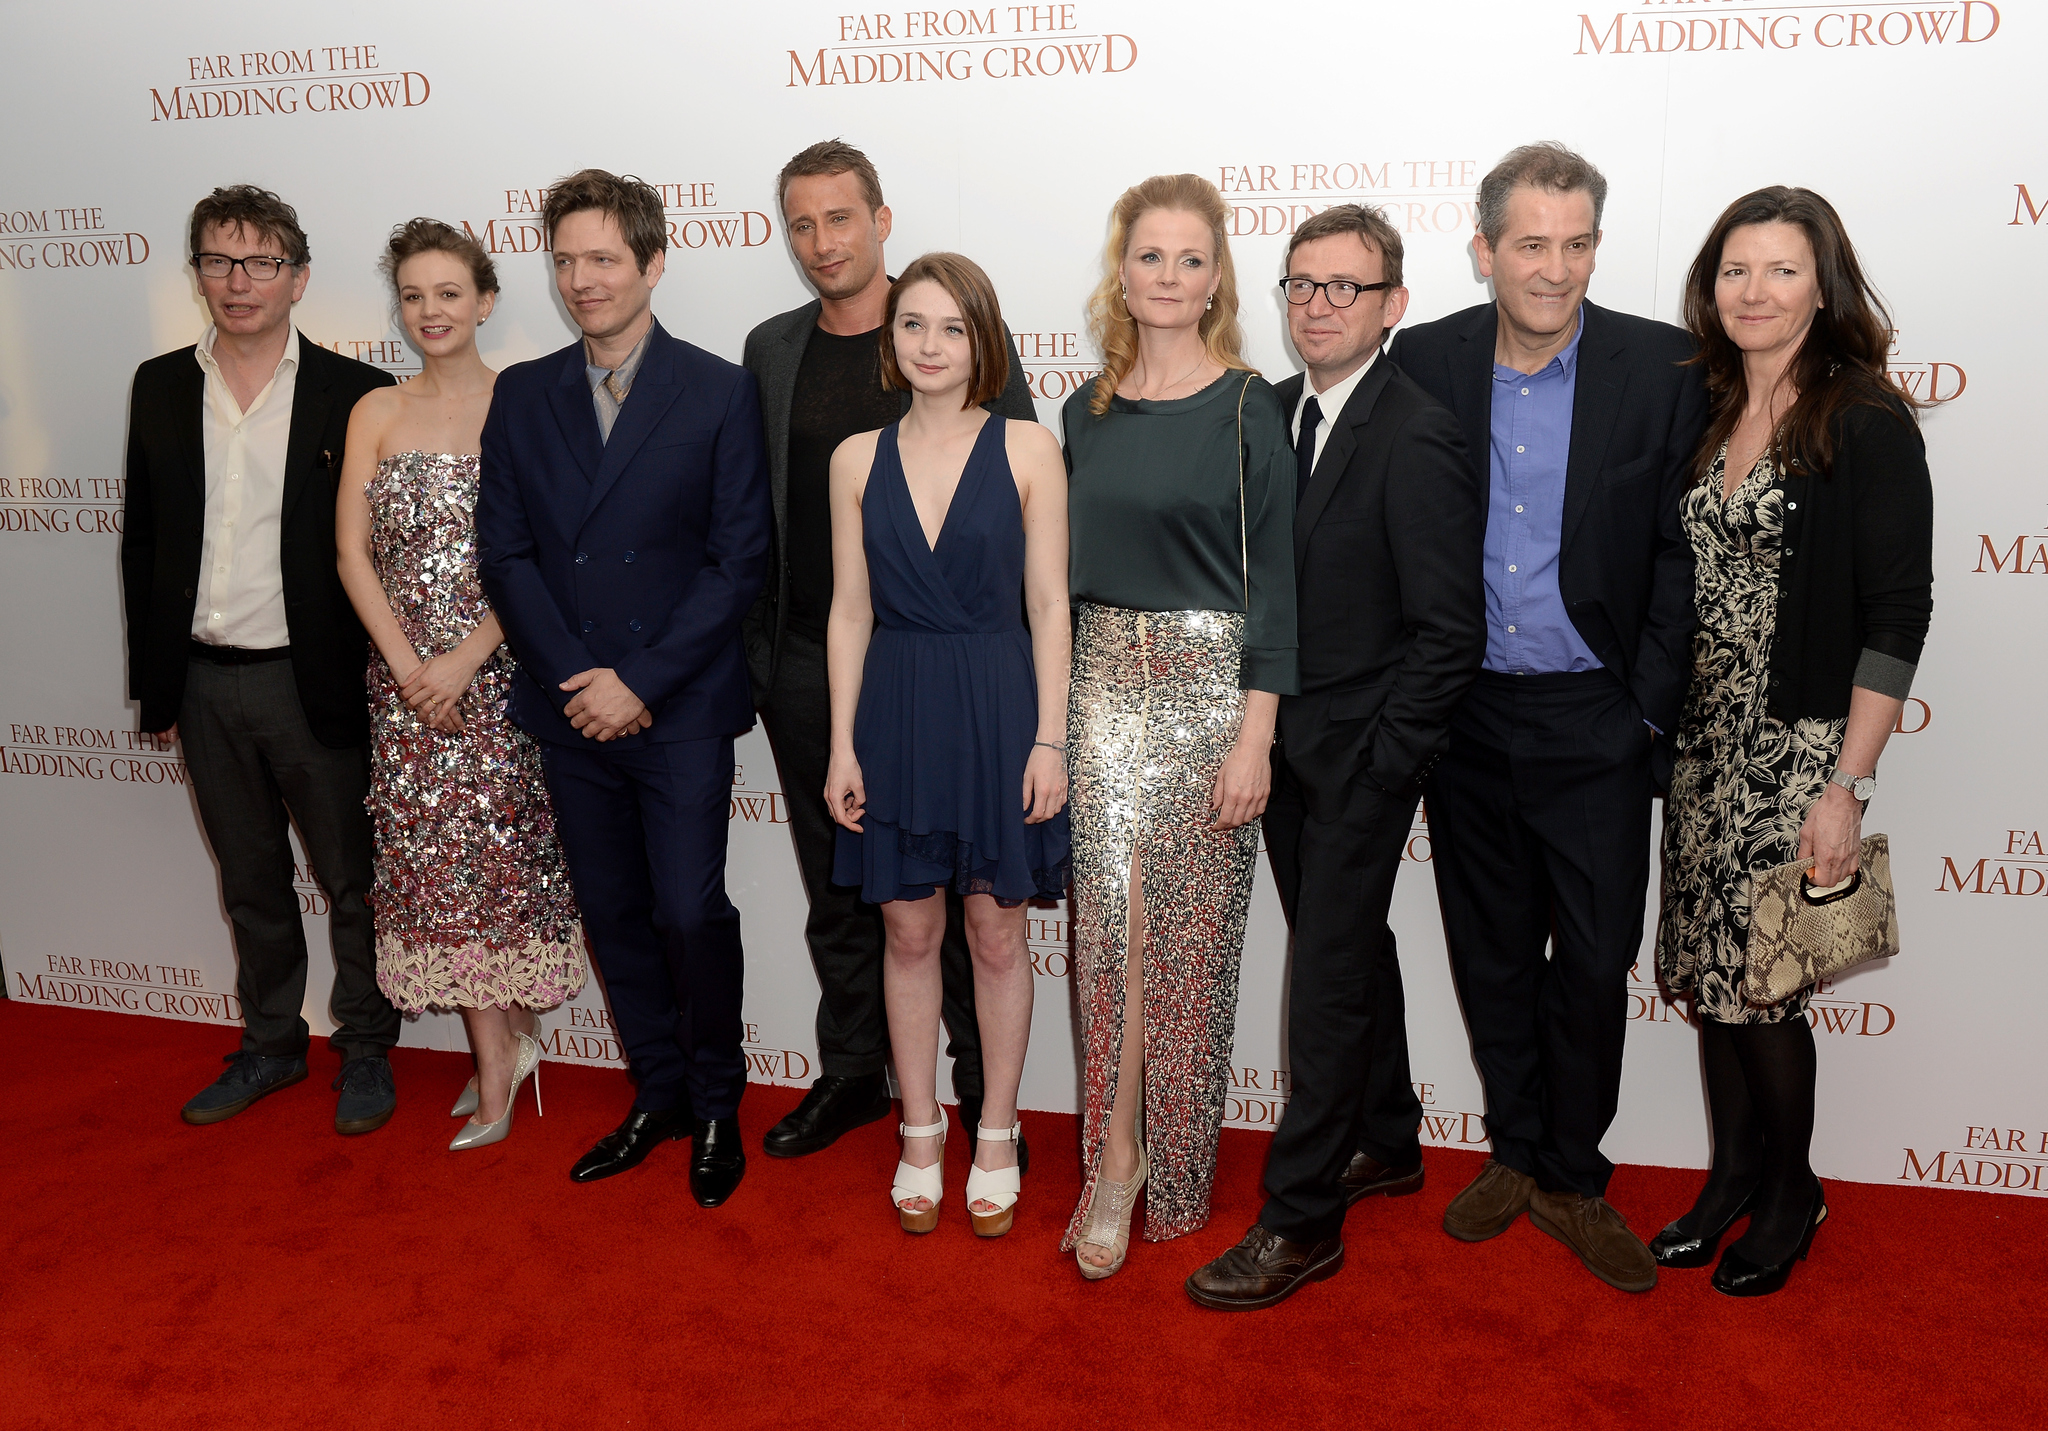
(473, 905)
(1184, 600)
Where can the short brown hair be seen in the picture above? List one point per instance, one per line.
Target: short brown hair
(418, 236)
(254, 210)
(1546, 165)
(827, 157)
(988, 339)
(1371, 226)
(630, 201)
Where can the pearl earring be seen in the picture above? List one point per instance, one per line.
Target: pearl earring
(1210, 304)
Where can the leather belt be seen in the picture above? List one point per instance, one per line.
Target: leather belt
(237, 655)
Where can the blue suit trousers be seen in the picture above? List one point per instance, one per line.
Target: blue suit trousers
(644, 830)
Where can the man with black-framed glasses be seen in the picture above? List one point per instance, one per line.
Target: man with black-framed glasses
(1390, 617)
(243, 644)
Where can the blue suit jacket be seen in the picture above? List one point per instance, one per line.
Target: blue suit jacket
(642, 553)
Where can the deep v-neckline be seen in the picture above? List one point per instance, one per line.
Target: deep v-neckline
(931, 544)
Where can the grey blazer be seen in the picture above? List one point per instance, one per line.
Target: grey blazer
(774, 352)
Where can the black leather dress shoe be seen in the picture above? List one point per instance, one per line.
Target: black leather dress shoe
(1369, 1177)
(628, 1145)
(718, 1162)
(833, 1108)
(970, 1119)
(1263, 1269)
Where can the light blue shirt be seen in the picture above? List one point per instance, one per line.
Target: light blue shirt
(1528, 629)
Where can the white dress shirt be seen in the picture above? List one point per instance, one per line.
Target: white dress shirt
(241, 582)
(1331, 403)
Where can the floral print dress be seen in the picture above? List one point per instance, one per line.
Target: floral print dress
(1743, 780)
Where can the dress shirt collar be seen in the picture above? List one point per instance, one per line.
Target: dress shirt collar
(203, 352)
(1332, 402)
(622, 376)
(1565, 363)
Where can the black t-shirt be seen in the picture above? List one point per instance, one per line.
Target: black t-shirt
(838, 392)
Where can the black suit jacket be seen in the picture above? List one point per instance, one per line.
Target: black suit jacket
(1625, 569)
(161, 535)
(1392, 612)
(774, 354)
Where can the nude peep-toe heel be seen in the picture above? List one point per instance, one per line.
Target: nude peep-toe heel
(1109, 1220)
(999, 1186)
(927, 1183)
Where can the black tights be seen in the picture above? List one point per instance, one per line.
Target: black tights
(1760, 1080)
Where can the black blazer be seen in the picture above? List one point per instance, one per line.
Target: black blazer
(1856, 584)
(774, 353)
(161, 536)
(1392, 611)
(1626, 568)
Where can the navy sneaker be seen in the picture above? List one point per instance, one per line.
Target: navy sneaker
(249, 1077)
(368, 1095)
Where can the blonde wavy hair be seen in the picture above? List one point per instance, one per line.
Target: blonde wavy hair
(1109, 321)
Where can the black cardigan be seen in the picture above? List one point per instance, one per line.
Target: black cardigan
(1856, 584)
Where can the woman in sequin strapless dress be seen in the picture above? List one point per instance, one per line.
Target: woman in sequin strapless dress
(473, 904)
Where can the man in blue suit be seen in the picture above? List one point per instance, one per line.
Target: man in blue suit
(623, 530)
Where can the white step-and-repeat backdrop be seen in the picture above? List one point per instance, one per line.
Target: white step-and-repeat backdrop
(1005, 132)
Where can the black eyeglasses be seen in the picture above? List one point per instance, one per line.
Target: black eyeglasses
(1341, 292)
(260, 267)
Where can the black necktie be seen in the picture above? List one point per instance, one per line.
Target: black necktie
(1305, 449)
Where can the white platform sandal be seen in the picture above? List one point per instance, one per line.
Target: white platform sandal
(927, 1183)
(998, 1186)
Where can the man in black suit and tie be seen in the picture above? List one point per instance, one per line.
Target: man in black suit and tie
(1540, 811)
(242, 641)
(1392, 627)
(821, 382)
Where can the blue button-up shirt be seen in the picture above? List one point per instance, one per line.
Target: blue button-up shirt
(1527, 627)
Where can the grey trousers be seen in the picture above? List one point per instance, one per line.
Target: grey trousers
(256, 770)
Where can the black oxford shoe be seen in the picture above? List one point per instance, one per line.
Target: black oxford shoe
(628, 1145)
(832, 1108)
(719, 1161)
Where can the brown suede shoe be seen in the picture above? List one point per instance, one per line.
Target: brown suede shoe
(1489, 1203)
(1369, 1177)
(1263, 1269)
(1592, 1228)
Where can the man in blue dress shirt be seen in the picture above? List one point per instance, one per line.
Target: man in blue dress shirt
(1540, 810)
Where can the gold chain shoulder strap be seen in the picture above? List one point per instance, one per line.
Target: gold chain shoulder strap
(1244, 550)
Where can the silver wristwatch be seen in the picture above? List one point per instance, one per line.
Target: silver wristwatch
(1861, 786)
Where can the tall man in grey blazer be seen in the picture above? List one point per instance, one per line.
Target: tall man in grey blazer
(820, 378)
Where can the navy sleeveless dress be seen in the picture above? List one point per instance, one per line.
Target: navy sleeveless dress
(949, 698)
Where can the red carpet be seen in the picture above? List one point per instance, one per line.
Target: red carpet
(264, 1272)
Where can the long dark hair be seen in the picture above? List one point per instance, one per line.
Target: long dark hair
(1839, 365)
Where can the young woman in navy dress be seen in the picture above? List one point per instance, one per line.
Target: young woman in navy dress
(948, 711)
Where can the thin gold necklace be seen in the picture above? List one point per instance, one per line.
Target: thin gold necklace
(1177, 381)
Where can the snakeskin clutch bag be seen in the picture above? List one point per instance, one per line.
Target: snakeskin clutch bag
(1798, 934)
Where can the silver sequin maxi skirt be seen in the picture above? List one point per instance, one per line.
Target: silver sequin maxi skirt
(1155, 707)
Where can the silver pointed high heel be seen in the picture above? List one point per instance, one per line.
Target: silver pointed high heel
(479, 1135)
(466, 1104)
